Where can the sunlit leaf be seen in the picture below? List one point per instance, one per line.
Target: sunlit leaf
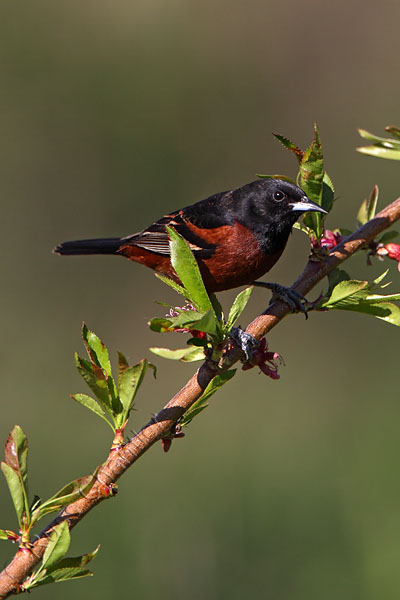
(393, 130)
(379, 152)
(183, 354)
(96, 349)
(175, 286)
(17, 490)
(129, 384)
(16, 452)
(64, 570)
(74, 490)
(238, 306)
(217, 382)
(96, 378)
(92, 405)
(368, 207)
(187, 269)
(299, 153)
(311, 176)
(379, 141)
(58, 544)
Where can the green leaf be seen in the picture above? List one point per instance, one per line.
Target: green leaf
(92, 405)
(217, 382)
(17, 490)
(311, 175)
(335, 277)
(183, 354)
(96, 350)
(347, 291)
(16, 453)
(379, 152)
(129, 384)
(238, 306)
(217, 307)
(328, 192)
(393, 130)
(175, 286)
(7, 534)
(356, 296)
(368, 207)
(381, 141)
(382, 310)
(57, 547)
(96, 378)
(64, 570)
(188, 271)
(74, 490)
(289, 145)
(160, 325)
(208, 323)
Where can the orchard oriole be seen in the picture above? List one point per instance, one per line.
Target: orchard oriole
(236, 236)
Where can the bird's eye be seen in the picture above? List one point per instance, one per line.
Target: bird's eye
(278, 196)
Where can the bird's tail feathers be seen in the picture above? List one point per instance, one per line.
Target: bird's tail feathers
(97, 246)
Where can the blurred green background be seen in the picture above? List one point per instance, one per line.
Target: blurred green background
(112, 114)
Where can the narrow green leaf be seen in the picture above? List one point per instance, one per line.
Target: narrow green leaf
(16, 452)
(385, 311)
(92, 405)
(160, 325)
(57, 547)
(175, 286)
(17, 491)
(368, 207)
(346, 291)
(217, 307)
(208, 323)
(382, 141)
(217, 382)
(328, 192)
(96, 350)
(188, 271)
(96, 378)
(183, 354)
(289, 145)
(129, 384)
(335, 277)
(380, 278)
(311, 175)
(74, 490)
(238, 306)
(7, 534)
(393, 130)
(380, 152)
(64, 570)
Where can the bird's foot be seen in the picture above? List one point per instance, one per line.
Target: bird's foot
(296, 301)
(243, 340)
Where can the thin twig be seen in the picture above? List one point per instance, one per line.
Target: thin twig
(13, 576)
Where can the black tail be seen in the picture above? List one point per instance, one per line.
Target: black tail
(100, 246)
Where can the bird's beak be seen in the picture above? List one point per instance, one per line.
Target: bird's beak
(307, 205)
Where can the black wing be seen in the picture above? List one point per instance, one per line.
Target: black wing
(206, 214)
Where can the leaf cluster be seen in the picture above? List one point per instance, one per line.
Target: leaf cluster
(113, 402)
(382, 147)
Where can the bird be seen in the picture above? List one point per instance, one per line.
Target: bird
(236, 236)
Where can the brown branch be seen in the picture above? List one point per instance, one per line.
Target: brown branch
(159, 426)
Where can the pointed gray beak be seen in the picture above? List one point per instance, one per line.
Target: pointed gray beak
(307, 205)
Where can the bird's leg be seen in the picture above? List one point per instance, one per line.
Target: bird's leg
(245, 341)
(296, 301)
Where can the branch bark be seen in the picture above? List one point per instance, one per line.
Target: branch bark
(24, 561)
